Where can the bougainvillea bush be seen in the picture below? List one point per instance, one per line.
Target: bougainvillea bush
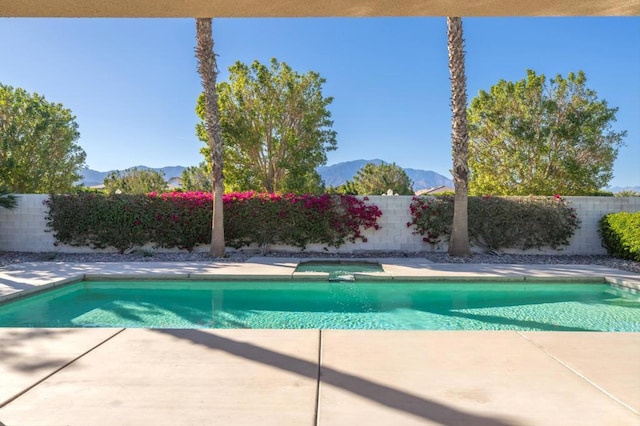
(183, 219)
(296, 220)
(98, 220)
(497, 223)
(179, 219)
(620, 234)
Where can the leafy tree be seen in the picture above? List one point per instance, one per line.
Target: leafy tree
(38, 150)
(459, 242)
(375, 179)
(534, 137)
(276, 127)
(135, 181)
(627, 193)
(7, 200)
(210, 130)
(197, 178)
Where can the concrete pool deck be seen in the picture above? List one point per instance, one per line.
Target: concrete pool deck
(313, 377)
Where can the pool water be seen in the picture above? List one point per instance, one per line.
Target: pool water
(327, 305)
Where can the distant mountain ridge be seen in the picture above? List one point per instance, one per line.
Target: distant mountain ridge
(334, 175)
(93, 177)
(615, 189)
(339, 173)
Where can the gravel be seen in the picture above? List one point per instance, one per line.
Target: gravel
(7, 258)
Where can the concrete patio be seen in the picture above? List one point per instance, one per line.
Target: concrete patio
(313, 377)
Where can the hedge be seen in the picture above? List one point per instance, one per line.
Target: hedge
(620, 233)
(183, 219)
(497, 223)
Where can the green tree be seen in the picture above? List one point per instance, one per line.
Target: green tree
(197, 178)
(210, 130)
(135, 181)
(377, 179)
(534, 137)
(7, 200)
(276, 127)
(627, 193)
(459, 242)
(38, 150)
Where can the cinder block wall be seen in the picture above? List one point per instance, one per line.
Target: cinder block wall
(24, 228)
(590, 210)
(392, 235)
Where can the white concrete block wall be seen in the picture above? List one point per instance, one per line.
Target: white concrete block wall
(392, 235)
(590, 210)
(24, 228)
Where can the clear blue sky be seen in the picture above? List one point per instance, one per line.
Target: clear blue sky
(132, 83)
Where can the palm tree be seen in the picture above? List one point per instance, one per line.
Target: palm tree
(208, 71)
(459, 242)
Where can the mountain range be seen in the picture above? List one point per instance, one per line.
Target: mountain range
(339, 173)
(333, 175)
(94, 178)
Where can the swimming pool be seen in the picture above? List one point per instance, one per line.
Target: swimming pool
(327, 305)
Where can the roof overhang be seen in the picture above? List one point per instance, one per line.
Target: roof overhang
(314, 8)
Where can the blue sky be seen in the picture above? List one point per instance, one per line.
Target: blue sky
(132, 83)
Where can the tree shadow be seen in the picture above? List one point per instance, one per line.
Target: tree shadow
(16, 285)
(381, 394)
(11, 343)
(513, 322)
(450, 305)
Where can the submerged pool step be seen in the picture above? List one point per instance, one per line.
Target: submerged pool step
(340, 270)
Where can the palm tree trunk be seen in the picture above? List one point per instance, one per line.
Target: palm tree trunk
(208, 71)
(459, 242)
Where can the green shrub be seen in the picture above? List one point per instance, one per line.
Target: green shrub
(183, 219)
(99, 221)
(497, 223)
(179, 219)
(432, 217)
(620, 233)
(7, 200)
(296, 220)
(627, 193)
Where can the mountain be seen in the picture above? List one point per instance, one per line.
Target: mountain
(334, 175)
(615, 189)
(339, 173)
(93, 177)
(425, 179)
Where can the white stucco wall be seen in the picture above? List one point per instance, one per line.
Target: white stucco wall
(24, 228)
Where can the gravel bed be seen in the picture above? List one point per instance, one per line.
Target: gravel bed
(7, 258)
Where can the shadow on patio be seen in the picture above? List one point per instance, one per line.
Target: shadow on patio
(378, 393)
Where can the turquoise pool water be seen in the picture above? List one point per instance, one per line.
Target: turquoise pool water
(359, 305)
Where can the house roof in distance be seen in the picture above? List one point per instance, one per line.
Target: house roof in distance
(436, 190)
